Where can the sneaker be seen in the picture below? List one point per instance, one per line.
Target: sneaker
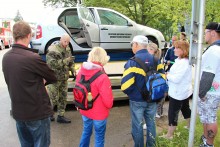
(62, 119)
(144, 126)
(203, 139)
(205, 145)
(157, 116)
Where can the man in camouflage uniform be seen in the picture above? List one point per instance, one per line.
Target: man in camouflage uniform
(60, 60)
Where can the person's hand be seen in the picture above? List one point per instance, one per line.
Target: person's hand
(44, 81)
(70, 59)
(168, 62)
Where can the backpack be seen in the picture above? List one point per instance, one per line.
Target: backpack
(82, 92)
(155, 84)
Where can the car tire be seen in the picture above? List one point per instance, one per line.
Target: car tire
(153, 39)
(2, 46)
(55, 41)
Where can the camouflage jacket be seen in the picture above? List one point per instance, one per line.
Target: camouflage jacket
(57, 60)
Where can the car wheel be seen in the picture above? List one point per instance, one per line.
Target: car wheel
(51, 42)
(56, 41)
(2, 46)
(152, 39)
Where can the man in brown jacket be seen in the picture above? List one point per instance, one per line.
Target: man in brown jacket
(26, 75)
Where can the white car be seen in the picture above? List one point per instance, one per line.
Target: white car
(89, 27)
(94, 26)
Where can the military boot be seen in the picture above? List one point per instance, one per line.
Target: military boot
(62, 119)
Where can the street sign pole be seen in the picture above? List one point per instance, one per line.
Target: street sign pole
(198, 11)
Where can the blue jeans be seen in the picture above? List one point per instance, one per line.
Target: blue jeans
(100, 128)
(143, 111)
(34, 133)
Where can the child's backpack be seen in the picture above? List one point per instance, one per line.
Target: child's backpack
(82, 92)
(155, 84)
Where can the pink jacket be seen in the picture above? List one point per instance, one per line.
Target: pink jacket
(101, 85)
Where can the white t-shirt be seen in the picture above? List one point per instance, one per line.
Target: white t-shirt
(211, 64)
(180, 79)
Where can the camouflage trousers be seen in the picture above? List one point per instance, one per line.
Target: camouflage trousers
(58, 95)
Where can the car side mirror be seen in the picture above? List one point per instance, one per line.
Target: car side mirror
(129, 24)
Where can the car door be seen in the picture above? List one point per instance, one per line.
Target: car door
(116, 31)
(90, 28)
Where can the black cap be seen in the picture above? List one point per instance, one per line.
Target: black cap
(213, 26)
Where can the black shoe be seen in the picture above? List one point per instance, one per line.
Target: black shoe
(62, 119)
(52, 118)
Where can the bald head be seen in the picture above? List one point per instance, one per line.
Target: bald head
(64, 40)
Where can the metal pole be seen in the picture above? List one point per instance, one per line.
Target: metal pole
(192, 32)
(197, 73)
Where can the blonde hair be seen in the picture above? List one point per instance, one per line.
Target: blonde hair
(98, 54)
(157, 51)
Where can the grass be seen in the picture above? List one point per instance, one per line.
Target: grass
(181, 135)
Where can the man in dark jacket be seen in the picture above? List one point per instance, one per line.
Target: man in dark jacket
(169, 57)
(26, 75)
(131, 84)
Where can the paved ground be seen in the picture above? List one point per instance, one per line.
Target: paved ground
(68, 135)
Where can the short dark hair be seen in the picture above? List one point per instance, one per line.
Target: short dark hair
(213, 26)
(21, 29)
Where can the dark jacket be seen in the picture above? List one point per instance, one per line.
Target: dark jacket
(134, 75)
(24, 72)
(170, 56)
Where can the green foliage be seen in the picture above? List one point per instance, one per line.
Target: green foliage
(18, 17)
(60, 3)
(166, 16)
(212, 11)
(181, 136)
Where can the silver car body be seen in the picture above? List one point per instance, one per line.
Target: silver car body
(100, 27)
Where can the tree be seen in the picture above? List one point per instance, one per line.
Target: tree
(167, 16)
(60, 3)
(212, 11)
(18, 17)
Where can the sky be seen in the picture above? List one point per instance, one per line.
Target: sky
(30, 10)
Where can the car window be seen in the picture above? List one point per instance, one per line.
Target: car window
(111, 18)
(86, 14)
(70, 18)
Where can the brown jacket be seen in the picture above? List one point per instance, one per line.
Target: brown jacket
(24, 72)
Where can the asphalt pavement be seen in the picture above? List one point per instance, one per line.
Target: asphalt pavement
(68, 135)
(65, 135)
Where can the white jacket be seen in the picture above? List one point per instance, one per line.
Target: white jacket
(180, 79)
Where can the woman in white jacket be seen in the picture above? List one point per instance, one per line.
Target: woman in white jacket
(180, 87)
